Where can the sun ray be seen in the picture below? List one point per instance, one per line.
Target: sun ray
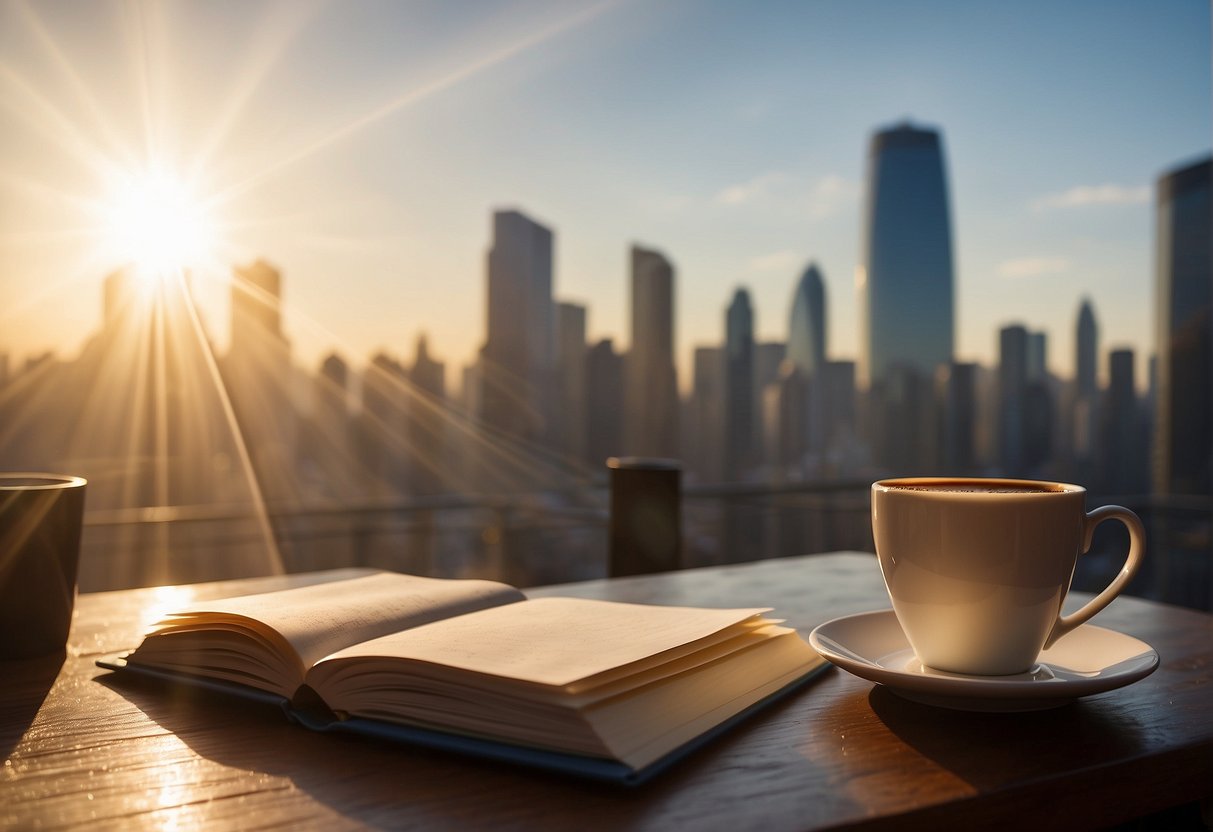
(144, 73)
(24, 239)
(83, 95)
(282, 35)
(62, 132)
(28, 391)
(246, 463)
(31, 188)
(510, 463)
(40, 291)
(143, 352)
(160, 437)
(445, 82)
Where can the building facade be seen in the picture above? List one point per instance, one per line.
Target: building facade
(739, 426)
(1183, 449)
(807, 323)
(906, 280)
(518, 354)
(651, 420)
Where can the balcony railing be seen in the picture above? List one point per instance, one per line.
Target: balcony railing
(550, 538)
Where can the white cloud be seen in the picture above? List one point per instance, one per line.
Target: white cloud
(796, 195)
(830, 195)
(1083, 195)
(759, 187)
(777, 261)
(1033, 266)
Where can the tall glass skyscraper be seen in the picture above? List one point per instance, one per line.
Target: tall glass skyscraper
(651, 427)
(1184, 305)
(1086, 351)
(739, 386)
(905, 279)
(807, 325)
(517, 357)
(1085, 413)
(807, 355)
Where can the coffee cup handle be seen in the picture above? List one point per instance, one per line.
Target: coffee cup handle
(1137, 548)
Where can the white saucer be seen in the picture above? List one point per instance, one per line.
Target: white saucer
(1088, 660)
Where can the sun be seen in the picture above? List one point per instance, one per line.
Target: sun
(159, 223)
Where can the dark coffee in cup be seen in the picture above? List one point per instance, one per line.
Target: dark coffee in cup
(959, 487)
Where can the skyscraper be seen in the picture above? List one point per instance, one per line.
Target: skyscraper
(651, 426)
(1086, 350)
(426, 417)
(1122, 461)
(335, 372)
(1038, 407)
(1084, 419)
(570, 424)
(1038, 356)
(1183, 450)
(768, 362)
(903, 426)
(385, 457)
(807, 352)
(905, 279)
(518, 353)
(784, 416)
(739, 451)
(256, 308)
(604, 419)
(258, 375)
(956, 389)
(767, 365)
(1012, 397)
(837, 387)
(705, 416)
(427, 374)
(807, 324)
(327, 438)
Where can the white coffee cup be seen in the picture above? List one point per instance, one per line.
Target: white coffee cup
(978, 569)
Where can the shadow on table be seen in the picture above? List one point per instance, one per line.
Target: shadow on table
(378, 781)
(28, 681)
(999, 752)
(993, 750)
(896, 756)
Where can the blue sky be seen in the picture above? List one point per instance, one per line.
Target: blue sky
(365, 144)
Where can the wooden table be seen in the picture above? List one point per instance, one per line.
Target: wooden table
(82, 747)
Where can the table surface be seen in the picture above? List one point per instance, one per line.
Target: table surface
(82, 746)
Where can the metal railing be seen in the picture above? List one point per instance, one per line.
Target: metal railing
(548, 538)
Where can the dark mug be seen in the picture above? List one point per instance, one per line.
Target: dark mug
(40, 520)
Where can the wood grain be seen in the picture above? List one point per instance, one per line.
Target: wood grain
(83, 747)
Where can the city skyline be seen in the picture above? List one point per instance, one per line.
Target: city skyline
(176, 425)
(739, 182)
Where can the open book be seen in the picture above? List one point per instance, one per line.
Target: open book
(617, 686)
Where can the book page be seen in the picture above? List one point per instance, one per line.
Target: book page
(317, 620)
(551, 641)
